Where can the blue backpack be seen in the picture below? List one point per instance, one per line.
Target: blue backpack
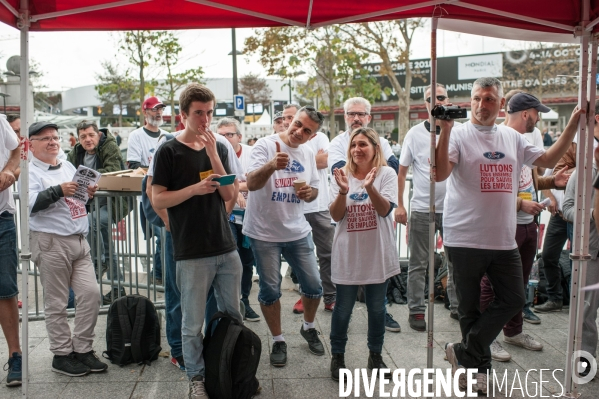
(149, 212)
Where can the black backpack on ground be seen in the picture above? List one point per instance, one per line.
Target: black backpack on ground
(132, 331)
(231, 354)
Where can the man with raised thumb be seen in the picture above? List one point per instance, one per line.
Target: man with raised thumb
(282, 176)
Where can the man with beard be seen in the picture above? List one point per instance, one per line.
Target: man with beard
(357, 114)
(141, 148)
(523, 109)
(482, 161)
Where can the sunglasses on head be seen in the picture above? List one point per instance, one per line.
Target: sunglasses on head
(439, 98)
(318, 114)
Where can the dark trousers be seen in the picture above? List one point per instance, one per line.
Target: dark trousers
(479, 329)
(247, 261)
(526, 238)
(556, 236)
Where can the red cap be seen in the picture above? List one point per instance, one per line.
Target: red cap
(152, 102)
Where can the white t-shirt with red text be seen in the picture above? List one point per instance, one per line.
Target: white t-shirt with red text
(480, 210)
(274, 213)
(364, 250)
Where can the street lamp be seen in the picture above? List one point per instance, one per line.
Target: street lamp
(234, 52)
(295, 75)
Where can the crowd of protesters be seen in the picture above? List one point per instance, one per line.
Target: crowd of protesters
(329, 208)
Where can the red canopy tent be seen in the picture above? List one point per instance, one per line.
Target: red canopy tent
(546, 20)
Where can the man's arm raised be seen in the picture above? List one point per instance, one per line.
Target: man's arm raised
(559, 148)
(258, 178)
(443, 165)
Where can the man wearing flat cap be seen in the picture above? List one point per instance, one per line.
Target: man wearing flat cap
(140, 150)
(482, 162)
(59, 225)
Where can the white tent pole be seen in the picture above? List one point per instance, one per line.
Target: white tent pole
(431, 211)
(35, 18)
(580, 246)
(23, 25)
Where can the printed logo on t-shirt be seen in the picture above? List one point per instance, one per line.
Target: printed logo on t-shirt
(294, 166)
(526, 189)
(359, 196)
(76, 207)
(361, 217)
(496, 178)
(494, 155)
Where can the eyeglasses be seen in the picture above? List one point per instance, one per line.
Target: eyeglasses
(229, 135)
(439, 98)
(358, 114)
(47, 139)
(156, 109)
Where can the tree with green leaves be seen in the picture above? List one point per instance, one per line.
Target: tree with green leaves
(115, 87)
(255, 89)
(389, 41)
(169, 51)
(140, 46)
(331, 63)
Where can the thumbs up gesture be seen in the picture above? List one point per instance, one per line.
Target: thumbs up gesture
(280, 160)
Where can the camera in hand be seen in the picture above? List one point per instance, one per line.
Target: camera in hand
(447, 112)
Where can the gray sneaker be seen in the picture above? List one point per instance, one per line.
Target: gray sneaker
(197, 389)
(549, 306)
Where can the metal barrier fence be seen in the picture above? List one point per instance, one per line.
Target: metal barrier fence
(127, 260)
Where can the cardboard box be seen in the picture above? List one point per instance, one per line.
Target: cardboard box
(122, 180)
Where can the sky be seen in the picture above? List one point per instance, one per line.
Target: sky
(73, 59)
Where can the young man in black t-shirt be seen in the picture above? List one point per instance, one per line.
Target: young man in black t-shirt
(205, 250)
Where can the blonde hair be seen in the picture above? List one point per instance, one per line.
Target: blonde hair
(373, 137)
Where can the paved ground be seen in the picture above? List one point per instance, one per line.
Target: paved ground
(305, 376)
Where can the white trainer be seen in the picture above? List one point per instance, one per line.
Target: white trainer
(525, 341)
(498, 353)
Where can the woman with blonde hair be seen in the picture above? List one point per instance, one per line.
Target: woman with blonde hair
(363, 195)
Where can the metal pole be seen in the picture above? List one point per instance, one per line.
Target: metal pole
(431, 214)
(234, 45)
(23, 25)
(290, 99)
(580, 246)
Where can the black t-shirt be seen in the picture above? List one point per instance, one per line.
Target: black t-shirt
(199, 225)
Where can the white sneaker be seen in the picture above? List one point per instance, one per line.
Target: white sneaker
(455, 365)
(481, 383)
(498, 353)
(197, 389)
(525, 341)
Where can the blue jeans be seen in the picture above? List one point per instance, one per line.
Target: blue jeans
(8, 256)
(105, 241)
(158, 252)
(300, 256)
(194, 279)
(172, 298)
(375, 295)
(247, 261)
